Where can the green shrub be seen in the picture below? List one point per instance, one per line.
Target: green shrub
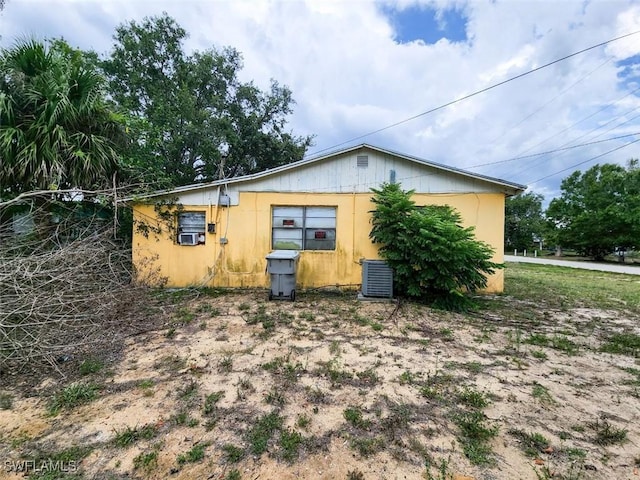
(431, 254)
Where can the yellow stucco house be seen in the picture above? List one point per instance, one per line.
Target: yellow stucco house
(219, 233)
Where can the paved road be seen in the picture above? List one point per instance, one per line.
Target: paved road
(603, 267)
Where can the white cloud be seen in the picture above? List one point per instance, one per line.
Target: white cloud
(627, 21)
(350, 77)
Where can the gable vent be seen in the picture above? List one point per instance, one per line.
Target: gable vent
(362, 161)
(377, 279)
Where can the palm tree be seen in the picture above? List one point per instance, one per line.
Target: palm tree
(56, 130)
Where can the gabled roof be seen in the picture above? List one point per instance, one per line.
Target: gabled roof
(517, 188)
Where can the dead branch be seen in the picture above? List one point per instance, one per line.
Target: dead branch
(61, 288)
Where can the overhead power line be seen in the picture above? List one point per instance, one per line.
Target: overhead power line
(552, 151)
(477, 92)
(550, 101)
(531, 165)
(583, 162)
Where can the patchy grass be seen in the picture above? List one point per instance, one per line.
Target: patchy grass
(259, 435)
(317, 385)
(472, 398)
(475, 435)
(195, 454)
(72, 396)
(562, 287)
(541, 394)
(90, 365)
(355, 417)
(532, 444)
(146, 461)
(290, 442)
(233, 453)
(623, 344)
(606, 433)
(130, 435)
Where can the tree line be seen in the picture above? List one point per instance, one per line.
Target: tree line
(597, 213)
(147, 114)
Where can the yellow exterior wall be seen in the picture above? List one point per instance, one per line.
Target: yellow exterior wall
(247, 227)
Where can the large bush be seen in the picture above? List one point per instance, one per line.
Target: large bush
(432, 255)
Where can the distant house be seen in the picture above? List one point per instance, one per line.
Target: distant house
(221, 231)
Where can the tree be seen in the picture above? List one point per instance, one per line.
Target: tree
(599, 210)
(432, 256)
(56, 130)
(523, 220)
(193, 118)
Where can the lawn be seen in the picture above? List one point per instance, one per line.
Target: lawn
(541, 382)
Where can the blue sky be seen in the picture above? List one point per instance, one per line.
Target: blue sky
(427, 24)
(357, 66)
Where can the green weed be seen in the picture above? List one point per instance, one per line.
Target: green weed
(210, 402)
(397, 420)
(146, 461)
(532, 444)
(354, 416)
(472, 398)
(473, 367)
(90, 365)
(336, 375)
(303, 421)
(368, 376)
(131, 435)
(233, 475)
(541, 393)
(226, 364)
(290, 441)
(407, 378)
(189, 390)
(442, 470)
(474, 436)
(368, 446)
(72, 396)
(378, 327)
(146, 384)
(623, 344)
(183, 316)
(564, 344)
(232, 453)
(260, 434)
(539, 354)
(275, 397)
(183, 418)
(607, 434)
(194, 455)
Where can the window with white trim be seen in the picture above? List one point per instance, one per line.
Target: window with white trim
(303, 228)
(191, 228)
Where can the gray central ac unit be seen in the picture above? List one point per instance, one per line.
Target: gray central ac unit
(377, 279)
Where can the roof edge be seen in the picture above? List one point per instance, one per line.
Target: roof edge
(517, 188)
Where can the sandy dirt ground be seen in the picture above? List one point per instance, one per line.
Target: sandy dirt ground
(327, 387)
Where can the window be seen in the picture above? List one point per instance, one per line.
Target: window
(304, 228)
(191, 228)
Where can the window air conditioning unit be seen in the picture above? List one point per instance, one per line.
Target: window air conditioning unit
(188, 238)
(377, 279)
